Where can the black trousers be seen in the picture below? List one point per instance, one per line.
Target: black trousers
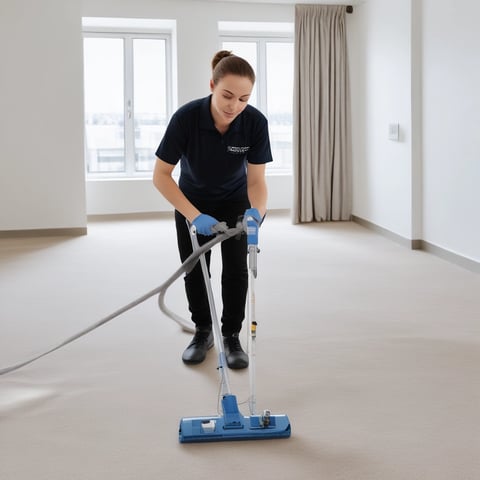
(234, 278)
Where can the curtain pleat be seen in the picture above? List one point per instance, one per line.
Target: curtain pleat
(322, 145)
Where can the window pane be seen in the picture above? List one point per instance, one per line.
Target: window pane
(150, 99)
(279, 102)
(104, 112)
(248, 51)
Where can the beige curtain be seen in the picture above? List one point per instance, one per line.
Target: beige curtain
(321, 139)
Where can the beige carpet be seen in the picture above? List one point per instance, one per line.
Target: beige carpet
(371, 349)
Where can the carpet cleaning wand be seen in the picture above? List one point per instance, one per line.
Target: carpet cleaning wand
(232, 425)
(217, 333)
(251, 228)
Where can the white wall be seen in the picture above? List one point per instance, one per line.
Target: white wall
(451, 125)
(140, 196)
(41, 116)
(417, 62)
(380, 58)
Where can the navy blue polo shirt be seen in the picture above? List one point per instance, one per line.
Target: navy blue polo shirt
(212, 165)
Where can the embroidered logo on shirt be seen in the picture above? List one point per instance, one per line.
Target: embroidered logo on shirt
(237, 150)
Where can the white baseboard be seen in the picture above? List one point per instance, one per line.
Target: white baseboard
(419, 244)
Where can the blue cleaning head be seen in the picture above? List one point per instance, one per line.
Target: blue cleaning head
(233, 426)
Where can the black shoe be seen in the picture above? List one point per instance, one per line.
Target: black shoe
(236, 357)
(197, 349)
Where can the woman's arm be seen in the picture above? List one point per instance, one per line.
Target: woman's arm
(257, 187)
(166, 185)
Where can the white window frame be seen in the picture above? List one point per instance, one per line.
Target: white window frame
(129, 30)
(259, 33)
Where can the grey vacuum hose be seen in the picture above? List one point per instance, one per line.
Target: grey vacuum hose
(186, 267)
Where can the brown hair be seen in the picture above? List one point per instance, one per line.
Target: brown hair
(225, 63)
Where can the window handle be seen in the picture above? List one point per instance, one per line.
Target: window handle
(129, 109)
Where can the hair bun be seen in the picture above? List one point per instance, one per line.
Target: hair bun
(220, 55)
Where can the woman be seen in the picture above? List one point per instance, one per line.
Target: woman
(222, 144)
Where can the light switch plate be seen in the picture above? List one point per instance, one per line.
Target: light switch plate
(394, 131)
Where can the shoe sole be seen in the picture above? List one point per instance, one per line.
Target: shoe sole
(235, 367)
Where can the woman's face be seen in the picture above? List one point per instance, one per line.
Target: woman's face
(229, 98)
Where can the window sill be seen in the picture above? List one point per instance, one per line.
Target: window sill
(149, 178)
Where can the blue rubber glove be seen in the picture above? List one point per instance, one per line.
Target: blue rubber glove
(253, 212)
(204, 223)
(251, 224)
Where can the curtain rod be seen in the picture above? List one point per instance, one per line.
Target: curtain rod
(349, 9)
